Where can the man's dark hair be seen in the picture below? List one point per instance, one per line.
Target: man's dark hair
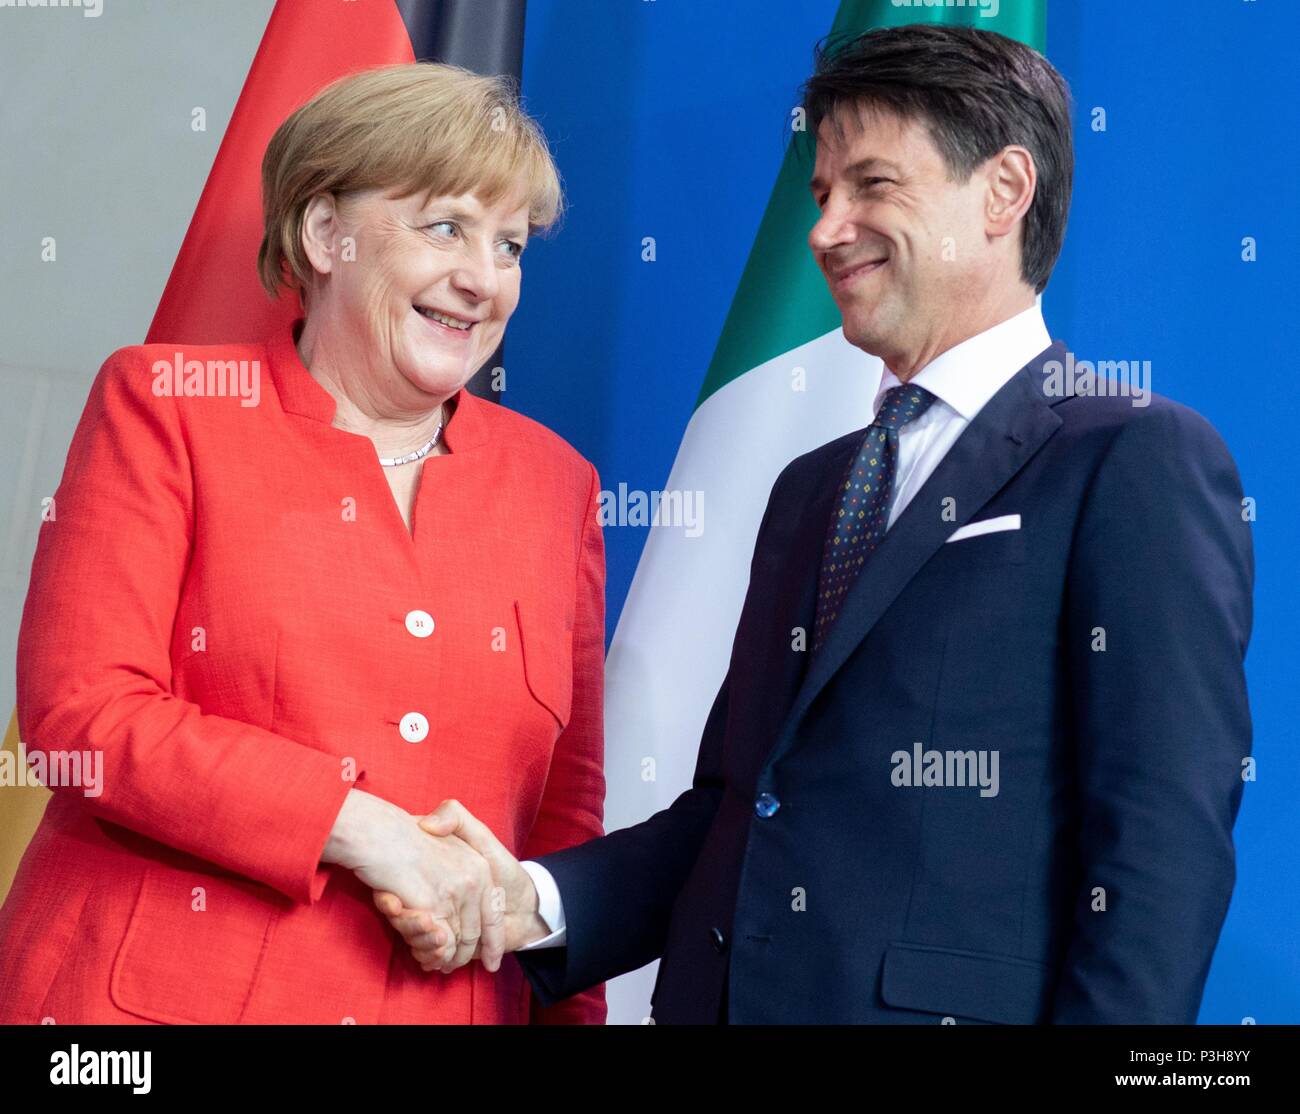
(978, 91)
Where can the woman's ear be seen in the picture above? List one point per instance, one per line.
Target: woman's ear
(320, 232)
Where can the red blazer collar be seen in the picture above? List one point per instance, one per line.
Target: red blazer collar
(301, 394)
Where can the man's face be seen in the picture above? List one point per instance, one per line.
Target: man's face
(902, 246)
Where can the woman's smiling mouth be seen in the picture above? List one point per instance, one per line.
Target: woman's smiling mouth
(446, 323)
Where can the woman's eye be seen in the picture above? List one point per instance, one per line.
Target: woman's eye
(442, 224)
(514, 249)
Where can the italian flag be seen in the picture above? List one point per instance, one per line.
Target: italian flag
(783, 380)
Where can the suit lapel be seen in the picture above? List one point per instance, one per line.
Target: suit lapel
(1005, 434)
(800, 554)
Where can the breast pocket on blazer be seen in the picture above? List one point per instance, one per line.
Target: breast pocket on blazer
(1000, 547)
(548, 658)
(186, 961)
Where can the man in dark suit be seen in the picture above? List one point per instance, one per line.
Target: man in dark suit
(999, 782)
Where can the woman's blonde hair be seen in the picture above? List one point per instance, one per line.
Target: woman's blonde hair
(410, 128)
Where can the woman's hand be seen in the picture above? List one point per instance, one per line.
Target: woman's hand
(513, 899)
(440, 875)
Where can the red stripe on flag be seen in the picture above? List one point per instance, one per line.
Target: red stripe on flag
(213, 294)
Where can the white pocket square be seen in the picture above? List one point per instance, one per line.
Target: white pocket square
(988, 526)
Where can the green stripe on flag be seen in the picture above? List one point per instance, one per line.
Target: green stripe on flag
(782, 300)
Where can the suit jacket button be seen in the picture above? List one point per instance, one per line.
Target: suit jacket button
(419, 623)
(719, 940)
(766, 805)
(413, 727)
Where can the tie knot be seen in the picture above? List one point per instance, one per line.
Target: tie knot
(902, 405)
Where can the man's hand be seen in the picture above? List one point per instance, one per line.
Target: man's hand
(512, 901)
(439, 874)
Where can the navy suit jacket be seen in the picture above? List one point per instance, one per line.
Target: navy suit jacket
(1098, 650)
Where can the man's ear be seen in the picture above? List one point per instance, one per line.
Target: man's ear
(320, 232)
(1012, 179)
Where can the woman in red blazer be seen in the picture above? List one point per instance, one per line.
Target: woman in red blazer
(294, 594)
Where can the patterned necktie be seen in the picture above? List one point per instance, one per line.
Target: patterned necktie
(860, 519)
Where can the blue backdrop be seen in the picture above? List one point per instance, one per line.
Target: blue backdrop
(669, 120)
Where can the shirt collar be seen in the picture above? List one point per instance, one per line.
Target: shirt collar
(968, 374)
(300, 393)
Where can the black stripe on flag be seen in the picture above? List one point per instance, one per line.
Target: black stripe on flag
(486, 36)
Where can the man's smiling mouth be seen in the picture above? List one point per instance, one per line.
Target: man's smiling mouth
(846, 276)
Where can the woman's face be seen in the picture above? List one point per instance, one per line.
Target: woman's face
(430, 286)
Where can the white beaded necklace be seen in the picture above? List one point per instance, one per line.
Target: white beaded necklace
(423, 451)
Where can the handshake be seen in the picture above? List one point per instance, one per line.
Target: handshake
(444, 881)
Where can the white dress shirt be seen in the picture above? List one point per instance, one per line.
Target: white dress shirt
(549, 906)
(962, 379)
